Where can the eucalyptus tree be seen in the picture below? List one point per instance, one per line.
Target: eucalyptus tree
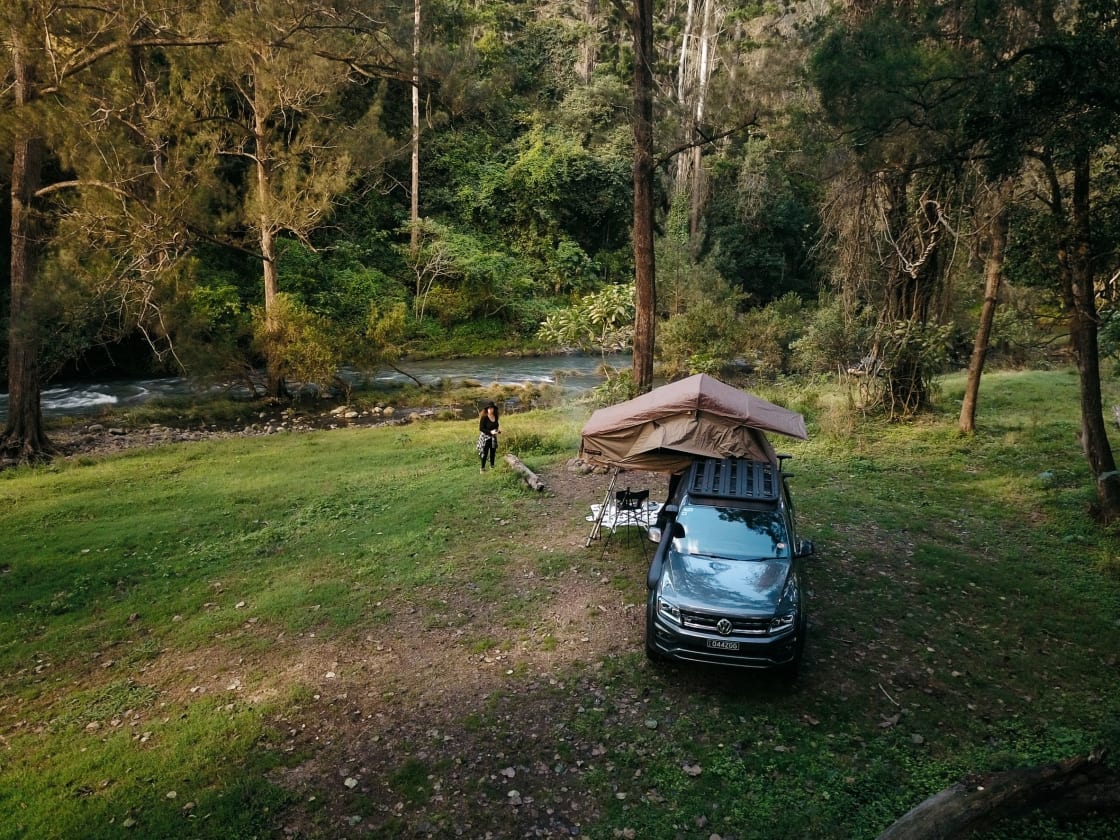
(275, 111)
(891, 87)
(1051, 80)
(1028, 90)
(72, 107)
(640, 18)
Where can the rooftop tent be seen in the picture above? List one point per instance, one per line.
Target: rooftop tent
(665, 429)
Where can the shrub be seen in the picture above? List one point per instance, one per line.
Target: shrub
(834, 338)
(768, 334)
(703, 339)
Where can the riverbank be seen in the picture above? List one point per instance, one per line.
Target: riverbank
(574, 373)
(107, 430)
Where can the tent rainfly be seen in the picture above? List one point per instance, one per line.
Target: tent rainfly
(665, 429)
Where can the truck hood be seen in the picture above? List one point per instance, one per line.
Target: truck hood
(712, 584)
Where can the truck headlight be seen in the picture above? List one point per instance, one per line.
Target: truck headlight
(787, 607)
(669, 610)
(781, 623)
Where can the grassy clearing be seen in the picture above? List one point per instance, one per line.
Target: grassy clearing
(216, 639)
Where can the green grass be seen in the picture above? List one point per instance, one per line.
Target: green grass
(161, 612)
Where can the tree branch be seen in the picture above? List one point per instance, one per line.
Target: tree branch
(704, 140)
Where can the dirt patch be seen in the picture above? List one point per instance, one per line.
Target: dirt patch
(419, 735)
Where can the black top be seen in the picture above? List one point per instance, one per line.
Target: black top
(486, 425)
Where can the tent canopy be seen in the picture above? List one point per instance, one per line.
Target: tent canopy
(665, 429)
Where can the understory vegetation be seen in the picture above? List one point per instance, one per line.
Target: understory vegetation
(353, 633)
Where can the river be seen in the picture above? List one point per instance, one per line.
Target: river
(574, 372)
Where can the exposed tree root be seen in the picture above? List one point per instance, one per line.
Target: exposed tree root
(34, 449)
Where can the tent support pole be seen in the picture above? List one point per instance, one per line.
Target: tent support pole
(597, 525)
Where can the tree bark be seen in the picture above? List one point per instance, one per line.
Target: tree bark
(913, 273)
(968, 806)
(696, 193)
(993, 275)
(267, 236)
(1077, 274)
(23, 436)
(588, 47)
(414, 198)
(644, 270)
(531, 478)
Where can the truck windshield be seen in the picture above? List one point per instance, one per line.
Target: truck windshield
(734, 533)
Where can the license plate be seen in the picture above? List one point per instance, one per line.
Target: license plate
(720, 644)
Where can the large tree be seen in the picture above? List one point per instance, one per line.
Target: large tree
(1046, 107)
(275, 109)
(889, 87)
(1022, 87)
(67, 63)
(645, 295)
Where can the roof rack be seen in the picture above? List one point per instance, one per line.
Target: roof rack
(734, 478)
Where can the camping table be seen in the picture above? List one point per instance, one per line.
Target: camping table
(611, 518)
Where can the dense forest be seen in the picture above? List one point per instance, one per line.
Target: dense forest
(288, 186)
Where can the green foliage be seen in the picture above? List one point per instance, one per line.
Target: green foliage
(702, 339)
(460, 277)
(768, 334)
(617, 387)
(600, 322)
(211, 319)
(832, 338)
(911, 354)
(300, 346)
(760, 225)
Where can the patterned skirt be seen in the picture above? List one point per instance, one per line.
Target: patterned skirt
(483, 439)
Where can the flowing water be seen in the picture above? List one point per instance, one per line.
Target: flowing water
(576, 373)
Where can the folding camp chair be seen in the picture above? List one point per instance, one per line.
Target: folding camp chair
(631, 510)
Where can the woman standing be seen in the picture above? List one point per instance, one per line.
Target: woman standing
(488, 432)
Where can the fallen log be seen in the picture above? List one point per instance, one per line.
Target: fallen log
(981, 801)
(531, 478)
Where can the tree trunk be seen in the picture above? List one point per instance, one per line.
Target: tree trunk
(912, 276)
(703, 76)
(414, 206)
(531, 478)
(267, 233)
(993, 274)
(588, 47)
(644, 273)
(1083, 321)
(966, 807)
(23, 436)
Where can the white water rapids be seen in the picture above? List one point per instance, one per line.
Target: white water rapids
(575, 372)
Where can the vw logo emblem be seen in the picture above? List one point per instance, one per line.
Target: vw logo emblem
(724, 627)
